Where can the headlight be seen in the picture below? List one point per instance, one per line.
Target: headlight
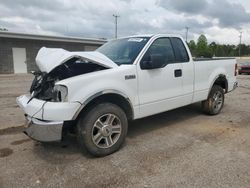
(60, 93)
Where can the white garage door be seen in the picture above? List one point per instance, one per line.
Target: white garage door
(19, 59)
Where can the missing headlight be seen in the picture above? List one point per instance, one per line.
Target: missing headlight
(60, 93)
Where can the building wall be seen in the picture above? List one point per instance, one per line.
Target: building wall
(32, 48)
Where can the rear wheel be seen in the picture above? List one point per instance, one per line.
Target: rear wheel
(102, 130)
(214, 102)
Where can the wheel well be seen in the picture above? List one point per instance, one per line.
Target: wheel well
(222, 82)
(117, 99)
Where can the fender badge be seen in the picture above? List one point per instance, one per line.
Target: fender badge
(128, 77)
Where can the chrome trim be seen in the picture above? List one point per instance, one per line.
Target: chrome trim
(43, 131)
(110, 91)
(235, 86)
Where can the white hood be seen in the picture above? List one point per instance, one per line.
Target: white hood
(49, 58)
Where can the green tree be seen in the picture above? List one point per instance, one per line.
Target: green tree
(3, 29)
(220, 52)
(213, 47)
(245, 49)
(192, 47)
(202, 47)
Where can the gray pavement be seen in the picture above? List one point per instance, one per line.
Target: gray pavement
(180, 148)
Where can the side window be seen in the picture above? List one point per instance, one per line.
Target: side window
(162, 48)
(180, 51)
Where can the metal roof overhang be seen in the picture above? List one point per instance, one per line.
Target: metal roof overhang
(7, 34)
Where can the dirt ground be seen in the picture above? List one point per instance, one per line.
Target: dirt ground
(180, 148)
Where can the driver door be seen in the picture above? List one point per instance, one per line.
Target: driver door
(159, 89)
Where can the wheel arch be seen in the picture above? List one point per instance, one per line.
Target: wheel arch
(220, 80)
(112, 96)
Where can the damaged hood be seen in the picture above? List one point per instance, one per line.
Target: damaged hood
(49, 58)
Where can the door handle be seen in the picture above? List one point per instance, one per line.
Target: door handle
(178, 73)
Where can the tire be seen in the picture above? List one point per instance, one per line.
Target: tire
(102, 129)
(214, 102)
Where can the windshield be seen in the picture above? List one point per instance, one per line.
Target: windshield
(123, 51)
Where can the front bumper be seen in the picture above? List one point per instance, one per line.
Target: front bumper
(48, 111)
(43, 131)
(45, 119)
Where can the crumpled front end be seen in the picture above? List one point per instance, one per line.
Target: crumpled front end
(58, 64)
(48, 107)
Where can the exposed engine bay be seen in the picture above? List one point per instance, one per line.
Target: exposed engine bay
(43, 86)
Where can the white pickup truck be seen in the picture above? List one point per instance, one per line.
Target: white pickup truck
(125, 79)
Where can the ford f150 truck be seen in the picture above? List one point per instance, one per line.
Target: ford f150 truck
(129, 78)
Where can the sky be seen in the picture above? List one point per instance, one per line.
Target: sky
(220, 20)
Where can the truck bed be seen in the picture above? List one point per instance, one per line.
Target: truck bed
(207, 71)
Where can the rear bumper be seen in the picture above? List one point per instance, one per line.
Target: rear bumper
(43, 131)
(233, 86)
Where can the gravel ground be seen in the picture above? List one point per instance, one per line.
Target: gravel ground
(179, 148)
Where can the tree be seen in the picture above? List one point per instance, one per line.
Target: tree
(202, 48)
(192, 47)
(3, 29)
(213, 47)
(245, 50)
(220, 51)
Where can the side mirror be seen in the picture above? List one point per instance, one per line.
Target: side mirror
(154, 61)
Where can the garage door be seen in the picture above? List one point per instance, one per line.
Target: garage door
(19, 60)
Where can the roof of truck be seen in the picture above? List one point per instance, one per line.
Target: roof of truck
(153, 35)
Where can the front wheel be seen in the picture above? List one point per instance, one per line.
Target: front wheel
(214, 102)
(102, 130)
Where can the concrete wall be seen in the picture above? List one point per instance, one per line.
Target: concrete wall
(32, 47)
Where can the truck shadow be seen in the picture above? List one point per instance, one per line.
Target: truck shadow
(69, 149)
(144, 125)
(60, 152)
